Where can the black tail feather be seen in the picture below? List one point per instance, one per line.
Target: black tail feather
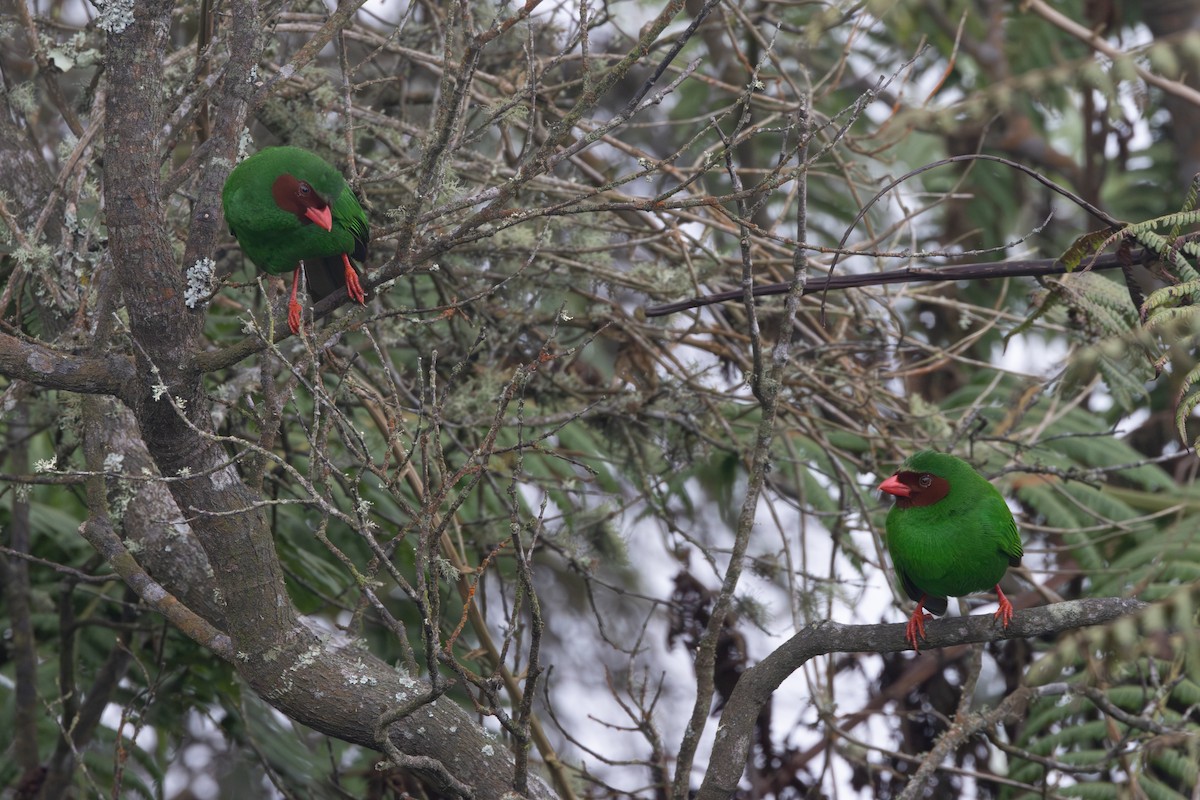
(326, 276)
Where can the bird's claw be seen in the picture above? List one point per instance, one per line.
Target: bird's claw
(294, 316)
(353, 287)
(1005, 612)
(916, 628)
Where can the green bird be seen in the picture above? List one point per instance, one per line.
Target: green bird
(950, 533)
(289, 208)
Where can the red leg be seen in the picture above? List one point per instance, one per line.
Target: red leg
(294, 304)
(916, 625)
(1005, 612)
(353, 287)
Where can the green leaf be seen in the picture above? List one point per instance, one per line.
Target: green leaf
(1084, 246)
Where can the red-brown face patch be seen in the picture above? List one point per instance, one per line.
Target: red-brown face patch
(924, 489)
(297, 197)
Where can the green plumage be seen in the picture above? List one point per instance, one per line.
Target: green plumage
(962, 543)
(277, 240)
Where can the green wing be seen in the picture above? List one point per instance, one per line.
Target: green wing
(1010, 545)
(1003, 528)
(350, 216)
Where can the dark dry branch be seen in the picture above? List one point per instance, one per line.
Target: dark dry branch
(988, 270)
(735, 731)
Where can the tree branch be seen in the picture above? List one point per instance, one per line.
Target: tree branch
(49, 368)
(736, 730)
(99, 533)
(1095, 41)
(988, 270)
(964, 727)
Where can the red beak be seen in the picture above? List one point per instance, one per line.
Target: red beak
(893, 485)
(321, 216)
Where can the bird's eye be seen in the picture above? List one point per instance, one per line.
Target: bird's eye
(305, 188)
(925, 480)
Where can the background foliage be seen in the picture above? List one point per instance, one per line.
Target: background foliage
(506, 481)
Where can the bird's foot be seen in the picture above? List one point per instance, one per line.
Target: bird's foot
(916, 627)
(294, 316)
(1005, 612)
(353, 287)
(294, 310)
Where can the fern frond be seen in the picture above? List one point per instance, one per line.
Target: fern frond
(1189, 379)
(1184, 410)
(1189, 291)
(1193, 192)
(1048, 301)
(1105, 302)
(1085, 245)
(1174, 255)
(1048, 501)
(1178, 219)
(1155, 790)
(1125, 381)
(1184, 315)
(1092, 791)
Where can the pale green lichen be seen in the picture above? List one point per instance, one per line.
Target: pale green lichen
(34, 257)
(310, 656)
(200, 281)
(115, 15)
(23, 98)
(121, 493)
(245, 141)
(72, 53)
(446, 571)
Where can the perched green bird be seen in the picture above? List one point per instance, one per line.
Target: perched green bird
(290, 208)
(950, 534)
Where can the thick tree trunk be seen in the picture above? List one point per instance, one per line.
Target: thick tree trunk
(331, 686)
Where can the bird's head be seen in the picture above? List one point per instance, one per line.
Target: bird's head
(922, 480)
(300, 198)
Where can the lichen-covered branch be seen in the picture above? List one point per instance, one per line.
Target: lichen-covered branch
(735, 732)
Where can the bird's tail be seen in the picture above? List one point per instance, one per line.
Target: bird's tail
(935, 605)
(326, 276)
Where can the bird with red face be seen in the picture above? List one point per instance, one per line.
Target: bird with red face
(290, 209)
(950, 534)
